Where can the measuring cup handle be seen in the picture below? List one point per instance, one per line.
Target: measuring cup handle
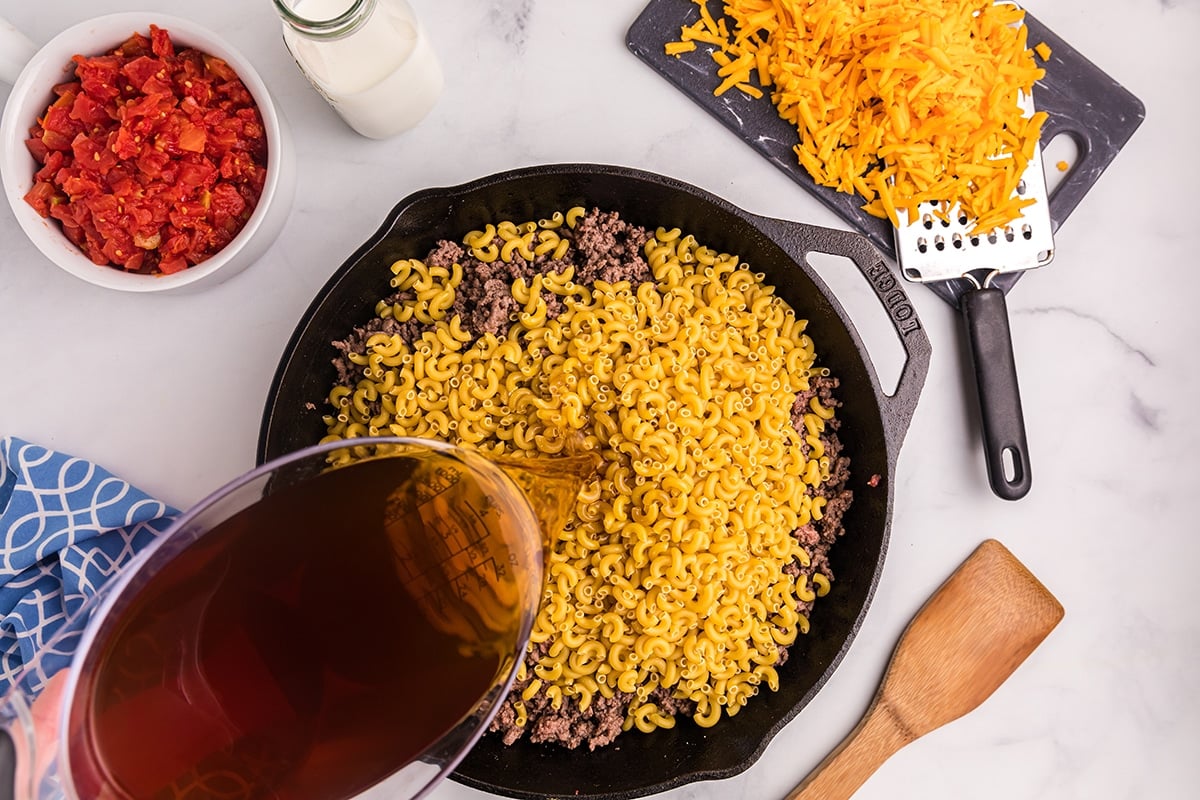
(8, 766)
(16, 50)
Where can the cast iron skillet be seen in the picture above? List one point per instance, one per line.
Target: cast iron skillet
(874, 425)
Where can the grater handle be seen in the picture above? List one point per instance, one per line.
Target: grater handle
(1006, 450)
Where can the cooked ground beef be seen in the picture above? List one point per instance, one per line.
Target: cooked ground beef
(818, 536)
(350, 373)
(483, 300)
(607, 248)
(571, 727)
(610, 250)
(604, 247)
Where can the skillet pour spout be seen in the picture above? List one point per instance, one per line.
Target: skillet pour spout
(874, 424)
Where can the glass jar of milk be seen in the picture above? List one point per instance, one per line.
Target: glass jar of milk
(369, 58)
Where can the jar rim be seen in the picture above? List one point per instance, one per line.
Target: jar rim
(333, 28)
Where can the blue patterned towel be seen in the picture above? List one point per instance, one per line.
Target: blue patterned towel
(66, 527)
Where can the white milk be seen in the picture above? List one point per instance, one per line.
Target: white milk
(383, 78)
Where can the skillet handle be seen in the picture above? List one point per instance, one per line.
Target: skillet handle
(985, 314)
(897, 408)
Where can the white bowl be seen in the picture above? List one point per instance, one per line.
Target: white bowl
(32, 93)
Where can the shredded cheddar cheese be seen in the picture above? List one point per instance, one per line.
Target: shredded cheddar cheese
(1043, 50)
(899, 101)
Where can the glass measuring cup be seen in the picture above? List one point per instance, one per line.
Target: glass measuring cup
(304, 633)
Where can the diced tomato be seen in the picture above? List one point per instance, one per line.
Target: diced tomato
(123, 185)
(150, 159)
(79, 185)
(136, 45)
(227, 204)
(53, 140)
(192, 138)
(199, 90)
(160, 43)
(142, 69)
(89, 111)
(99, 77)
(51, 164)
(159, 87)
(94, 154)
(59, 130)
(232, 165)
(72, 87)
(135, 261)
(223, 138)
(125, 144)
(146, 223)
(219, 68)
(65, 100)
(36, 147)
(93, 245)
(198, 172)
(63, 212)
(103, 208)
(169, 266)
(151, 162)
(252, 129)
(40, 196)
(151, 105)
(188, 215)
(177, 242)
(118, 249)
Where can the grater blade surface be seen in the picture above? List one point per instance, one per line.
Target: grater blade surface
(932, 249)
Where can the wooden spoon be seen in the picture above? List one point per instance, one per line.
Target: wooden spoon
(967, 639)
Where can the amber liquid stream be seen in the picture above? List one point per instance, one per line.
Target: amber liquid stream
(282, 656)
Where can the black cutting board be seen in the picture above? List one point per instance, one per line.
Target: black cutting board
(1080, 99)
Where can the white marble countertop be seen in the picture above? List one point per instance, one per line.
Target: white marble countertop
(168, 391)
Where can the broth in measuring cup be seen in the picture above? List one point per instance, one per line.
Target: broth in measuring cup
(313, 643)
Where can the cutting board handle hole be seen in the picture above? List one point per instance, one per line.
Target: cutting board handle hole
(1062, 150)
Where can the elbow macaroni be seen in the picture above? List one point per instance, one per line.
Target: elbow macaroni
(671, 574)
